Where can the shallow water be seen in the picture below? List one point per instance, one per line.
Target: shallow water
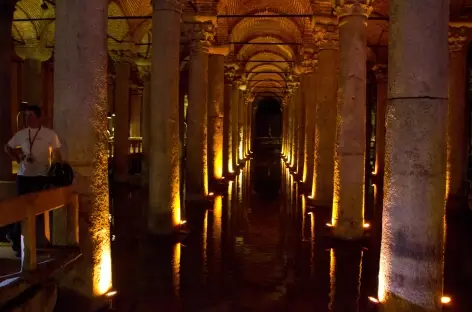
(255, 248)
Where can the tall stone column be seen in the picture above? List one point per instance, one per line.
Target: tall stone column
(309, 98)
(411, 257)
(144, 68)
(216, 71)
(6, 43)
(456, 121)
(32, 76)
(228, 121)
(235, 101)
(202, 35)
(325, 120)
(164, 139)
(136, 102)
(301, 127)
(80, 118)
(122, 63)
(348, 195)
(380, 71)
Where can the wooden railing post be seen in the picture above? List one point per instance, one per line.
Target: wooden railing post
(73, 220)
(28, 246)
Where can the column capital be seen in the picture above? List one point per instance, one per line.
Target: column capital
(122, 56)
(201, 36)
(457, 39)
(219, 50)
(310, 61)
(381, 73)
(230, 72)
(33, 51)
(327, 37)
(352, 7)
(168, 5)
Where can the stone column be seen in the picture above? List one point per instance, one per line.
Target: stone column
(380, 72)
(164, 140)
(309, 98)
(136, 102)
(122, 63)
(456, 121)
(228, 121)
(325, 122)
(216, 92)
(144, 68)
(202, 35)
(32, 77)
(6, 16)
(411, 258)
(235, 101)
(348, 196)
(80, 119)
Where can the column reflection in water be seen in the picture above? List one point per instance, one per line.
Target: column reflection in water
(345, 275)
(176, 252)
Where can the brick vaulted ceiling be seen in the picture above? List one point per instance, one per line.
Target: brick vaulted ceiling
(236, 25)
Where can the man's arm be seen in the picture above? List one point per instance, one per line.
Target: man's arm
(14, 154)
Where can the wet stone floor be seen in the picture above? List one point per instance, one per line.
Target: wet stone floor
(255, 248)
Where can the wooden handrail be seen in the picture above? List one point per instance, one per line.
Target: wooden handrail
(25, 208)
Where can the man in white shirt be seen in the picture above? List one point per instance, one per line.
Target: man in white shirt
(34, 148)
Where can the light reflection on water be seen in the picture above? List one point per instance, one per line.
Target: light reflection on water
(258, 247)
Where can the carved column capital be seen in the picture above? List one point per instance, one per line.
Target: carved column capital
(168, 5)
(310, 61)
(352, 7)
(202, 35)
(327, 37)
(381, 73)
(457, 39)
(122, 56)
(230, 72)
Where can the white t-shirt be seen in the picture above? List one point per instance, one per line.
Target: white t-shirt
(46, 140)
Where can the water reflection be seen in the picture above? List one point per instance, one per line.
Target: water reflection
(258, 247)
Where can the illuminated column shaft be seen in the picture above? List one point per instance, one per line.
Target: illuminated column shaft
(6, 17)
(325, 119)
(456, 124)
(411, 260)
(80, 118)
(301, 128)
(309, 98)
(164, 139)
(381, 79)
(197, 129)
(215, 115)
(295, 134)
(136, 100)
(235, 100)
(122, 117)
(145, 72)
(241, 130)
(228, 122)
(348, 201)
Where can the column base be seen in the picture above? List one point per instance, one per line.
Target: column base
(347, 232)
(314, 203)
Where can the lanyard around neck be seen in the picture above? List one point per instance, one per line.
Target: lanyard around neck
(31, 142)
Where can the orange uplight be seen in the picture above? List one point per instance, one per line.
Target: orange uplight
(445, 300)
(374, 300)
(111, 293)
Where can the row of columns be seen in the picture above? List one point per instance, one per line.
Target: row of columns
(417, 134)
